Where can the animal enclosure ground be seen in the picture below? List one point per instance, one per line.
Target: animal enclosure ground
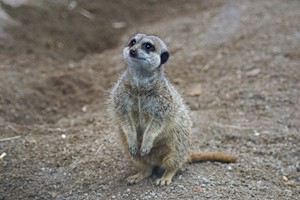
(237, 64)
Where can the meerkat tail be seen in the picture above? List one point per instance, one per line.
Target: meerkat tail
(211, 156)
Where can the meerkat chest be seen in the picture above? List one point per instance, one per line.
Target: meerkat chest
(142, 109)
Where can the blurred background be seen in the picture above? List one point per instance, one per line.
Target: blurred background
(44, 36)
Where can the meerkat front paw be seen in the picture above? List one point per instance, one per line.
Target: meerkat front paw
(145, 151)
(132, 151)
(132, 148)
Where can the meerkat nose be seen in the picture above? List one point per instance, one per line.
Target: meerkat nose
(132, 53)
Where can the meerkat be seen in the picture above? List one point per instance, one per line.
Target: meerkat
(153, 119)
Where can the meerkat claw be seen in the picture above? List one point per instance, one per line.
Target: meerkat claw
(139, 176)
(132, 180)
(162, 182)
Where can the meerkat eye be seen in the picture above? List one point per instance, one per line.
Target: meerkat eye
(148, 46)
(132, 42)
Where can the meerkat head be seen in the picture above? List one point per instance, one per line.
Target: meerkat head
(146, 52)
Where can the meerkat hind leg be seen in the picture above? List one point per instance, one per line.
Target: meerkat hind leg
(166, 178)
(146, 171)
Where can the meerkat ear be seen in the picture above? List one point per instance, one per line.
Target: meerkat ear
(164, 56)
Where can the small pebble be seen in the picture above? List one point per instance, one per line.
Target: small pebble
(2, 155)
(253, 72)
(119, 25)
(256, 133)
(84, 109)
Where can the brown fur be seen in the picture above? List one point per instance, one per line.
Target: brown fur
(154, 121)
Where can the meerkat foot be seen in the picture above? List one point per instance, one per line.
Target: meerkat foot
(166, 178)
(182, 169)
(162, 182)
(139, 176)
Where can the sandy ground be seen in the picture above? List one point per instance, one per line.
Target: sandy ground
(237, 64)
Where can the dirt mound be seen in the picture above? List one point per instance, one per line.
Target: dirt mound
(51, 34)
(64, 31)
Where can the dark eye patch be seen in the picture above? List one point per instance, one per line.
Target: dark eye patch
(148, 46)
(132, 42)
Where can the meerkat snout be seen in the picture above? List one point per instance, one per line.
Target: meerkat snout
(133, 53)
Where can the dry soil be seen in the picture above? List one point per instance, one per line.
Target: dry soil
(237, 64)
